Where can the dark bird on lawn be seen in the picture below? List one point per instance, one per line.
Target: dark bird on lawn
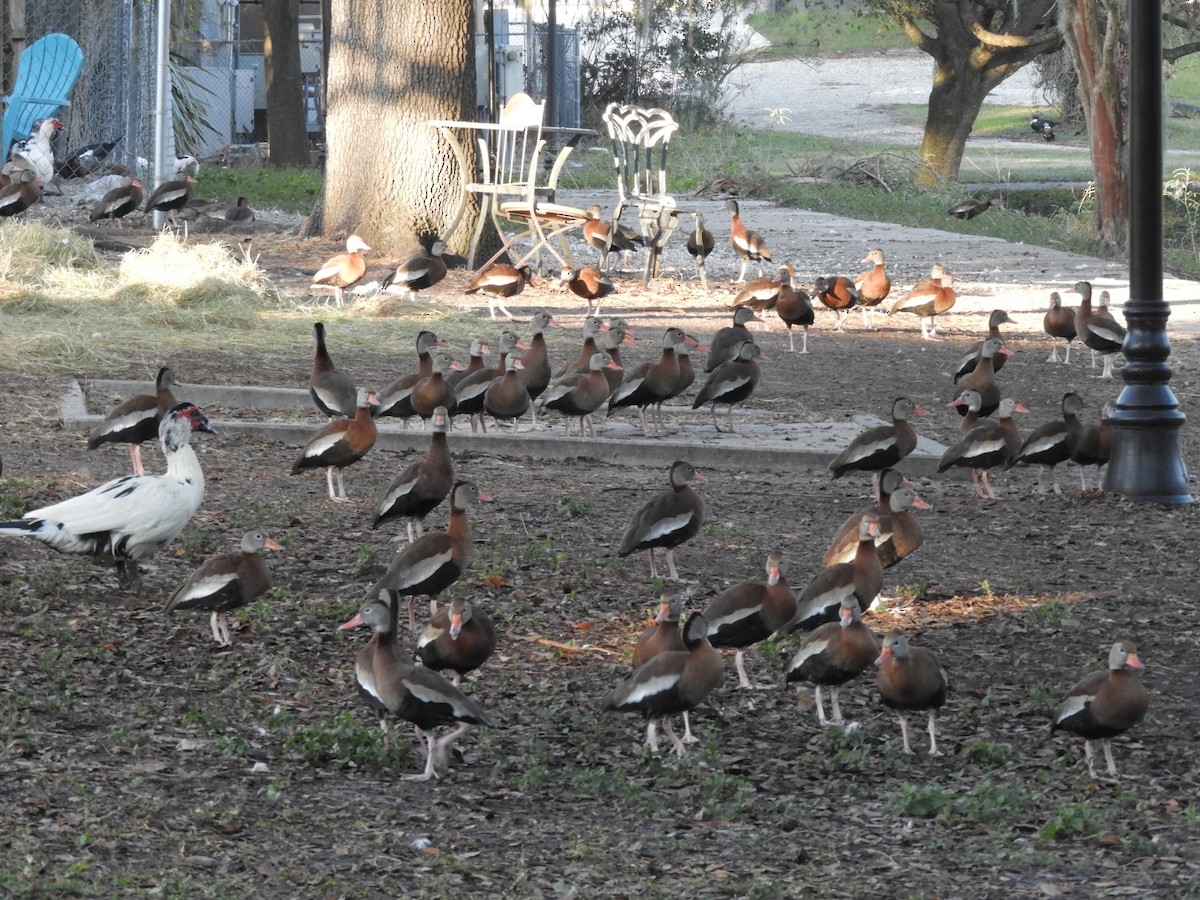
(836, 292)
(423, 485)
(861, 578)
(339, 444)
(725, 343)
(900, 534)
(130, 518)
(22, 192)
(333, 391)
(732, 382)
(751, 611)
(226, 582)
(86, 160)
(581, 393)
(506, 398)
(911, 678)
(1105, 704)
(969, 359)
(624, 240)
(170, 197)
(592, 326)
(500, 282)
(794, 307)
(1094, 446)
(1097, 329)
(471, 391)
(433, 561)
(760, 294)
(668, 520)
(873, 286)
(535, 371)
(972, 207)
(239, 212)
(589, 283)
(833, 654)
(747, 244)
(479, 352)
(119, 202)
(391, 683)
(344, 270)
(434, 392)
(880, 446)
(396, 399)
(665, 636)
(418, 272)
(1052, 443)
(461, 638)
(1059, 322)
(991, 443)
(700, 244)
(137, 419)
(982, 378)
(672, 682)
(651, 382)
(1042, 126)
(928, 299)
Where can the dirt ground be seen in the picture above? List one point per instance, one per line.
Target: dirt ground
(139, 758)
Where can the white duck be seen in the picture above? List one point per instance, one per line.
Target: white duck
(37, 153)
(130, 518)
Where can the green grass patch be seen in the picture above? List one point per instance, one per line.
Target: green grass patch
(827, 32)
(291, 190)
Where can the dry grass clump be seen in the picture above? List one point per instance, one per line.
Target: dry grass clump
(191, 275)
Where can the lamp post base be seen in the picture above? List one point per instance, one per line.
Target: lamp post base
(1146, 463)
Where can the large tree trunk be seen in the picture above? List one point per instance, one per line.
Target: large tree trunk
(287, 134)
(389, 177)
(975, 45)
(1092, 29)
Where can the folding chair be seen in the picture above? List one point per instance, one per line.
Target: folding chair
(640, 140)
(46, 72)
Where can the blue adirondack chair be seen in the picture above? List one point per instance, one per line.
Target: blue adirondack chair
(45, 75)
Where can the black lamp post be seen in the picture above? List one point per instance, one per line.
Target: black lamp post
(1147, 464)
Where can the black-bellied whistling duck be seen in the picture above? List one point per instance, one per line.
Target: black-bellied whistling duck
(982, 379)
(1094, 447)
(972, 207)
(906, 532)
(461, 637)
(610, 343)
(794, 307)
(1097, 330)
(650, 383)
(535, 373)
(130, 518)
(341, 443)
(500, 282)
(1059, 322)
(434, 392)
(969, 359)
(419, 272)
(836, 292)
(664, 636)
(581, 393)
(136, 420)
(928, 299)
(170, 197)
(589, 283)
(845, 540)
(396, 399)
(991, 443)
(747, 244)
(389, 681)
(1051, 443)
(672, 682)
(972, 401)
(725, 342)
(911, 679)
(873, 286)
(344, 270)
(592, 326)
(668, 520)
(22, 192)
(900, 534)
(424, 484)
(687, 374)
(760, 294)
(751, 611)
(881, 446)
(506, 398)
(699, 245)
(1105, 703)
(732, 382)
(834, 654)
(333, 391)
(116, 204)
(434, 561)
(624, 240)
(471, 390)
(478, 354)
(226, 582)
(239, 212)
(862, 578)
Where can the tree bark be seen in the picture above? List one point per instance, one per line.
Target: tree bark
(1092, 29)
(287, 133)
(954, 104)
(389, 177)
